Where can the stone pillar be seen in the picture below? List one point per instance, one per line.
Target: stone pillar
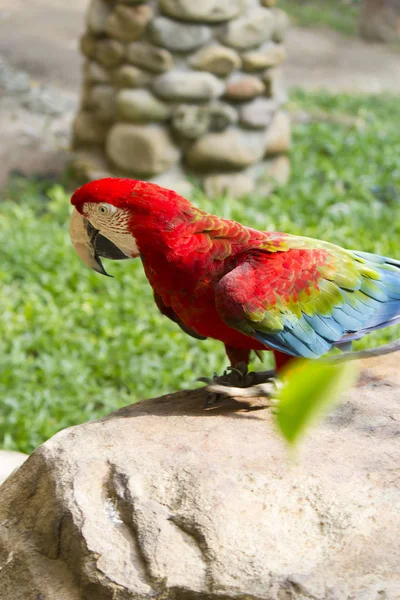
(175, 87)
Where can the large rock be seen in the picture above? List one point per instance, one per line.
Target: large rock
(128, 23)
(141, 106)
(178, 37)
(278, 169)
(95, 73)
(130, 76)
(96, 16)
(175, 179)
(147, 56)
(143, 150)
(274, 87)
(233, 185)
(88, 45)
(216, 59)
(257, 114)
(232, 149)
(206, 10)
(279, 137)
(272, 172)
(221, 115)
(101, 100)
(88, 129)
(244, 87)
(190, 121)
(254, 28)
(187, 85)
(271, 55)
(109, 53)
(88, 164)
(281, 25)
(162, 499)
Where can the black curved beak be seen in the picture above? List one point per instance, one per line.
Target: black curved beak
(103, 247)
(90, 245)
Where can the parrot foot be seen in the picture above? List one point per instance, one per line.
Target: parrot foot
(239, 377)
(238, 384)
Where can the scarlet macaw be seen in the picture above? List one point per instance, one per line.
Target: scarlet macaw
(252, 290)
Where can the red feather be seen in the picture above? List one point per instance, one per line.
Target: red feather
(186, 252)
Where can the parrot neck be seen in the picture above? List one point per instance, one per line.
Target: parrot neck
(173, 252)
(180, 243)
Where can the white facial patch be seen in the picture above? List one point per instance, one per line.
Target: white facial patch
(124, 241)
(112, 223)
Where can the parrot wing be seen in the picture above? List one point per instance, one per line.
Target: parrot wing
(169, 312)
(302, 296)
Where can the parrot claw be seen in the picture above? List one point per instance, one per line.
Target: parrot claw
(242, 386)
(210, 380)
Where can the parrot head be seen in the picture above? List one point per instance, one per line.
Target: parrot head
(100, 224)
(110, 214)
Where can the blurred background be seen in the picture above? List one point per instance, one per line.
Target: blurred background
(73, 345)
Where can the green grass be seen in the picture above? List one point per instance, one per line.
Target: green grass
(341, 15)
(75, 345)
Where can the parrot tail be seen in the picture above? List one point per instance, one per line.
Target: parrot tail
(386, 291)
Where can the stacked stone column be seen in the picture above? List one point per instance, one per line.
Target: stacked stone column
(184, 87)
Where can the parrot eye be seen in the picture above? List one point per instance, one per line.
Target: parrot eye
(106, 209)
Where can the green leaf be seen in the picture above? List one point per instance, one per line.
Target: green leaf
(309, 389)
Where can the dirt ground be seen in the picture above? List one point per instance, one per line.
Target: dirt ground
(40, 75)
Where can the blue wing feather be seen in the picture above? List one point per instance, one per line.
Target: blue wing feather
(376, 304)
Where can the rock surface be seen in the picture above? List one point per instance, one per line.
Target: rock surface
(128, 23)
(221, 116)
(88, 45)
(274, 85)
(143, 54)
(162, 499)
(232, 149)
(254, 28)
(175, 180)
(233, 185)
(278, 138)
(190, 121)
(281, 25)
(95, 73)
(109, 53)
(198, 67)
(101, 100)
(144, 150)
(216, 59)
(88, 129)
(97, 14)
(271, 55)
(207, 10)
(278, 169)
(130, 76)
(257, 114)
(141, 106)
(244, 87)
(178, 37)
(183, 85)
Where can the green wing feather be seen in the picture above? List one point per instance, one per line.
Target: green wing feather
(302, 296)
